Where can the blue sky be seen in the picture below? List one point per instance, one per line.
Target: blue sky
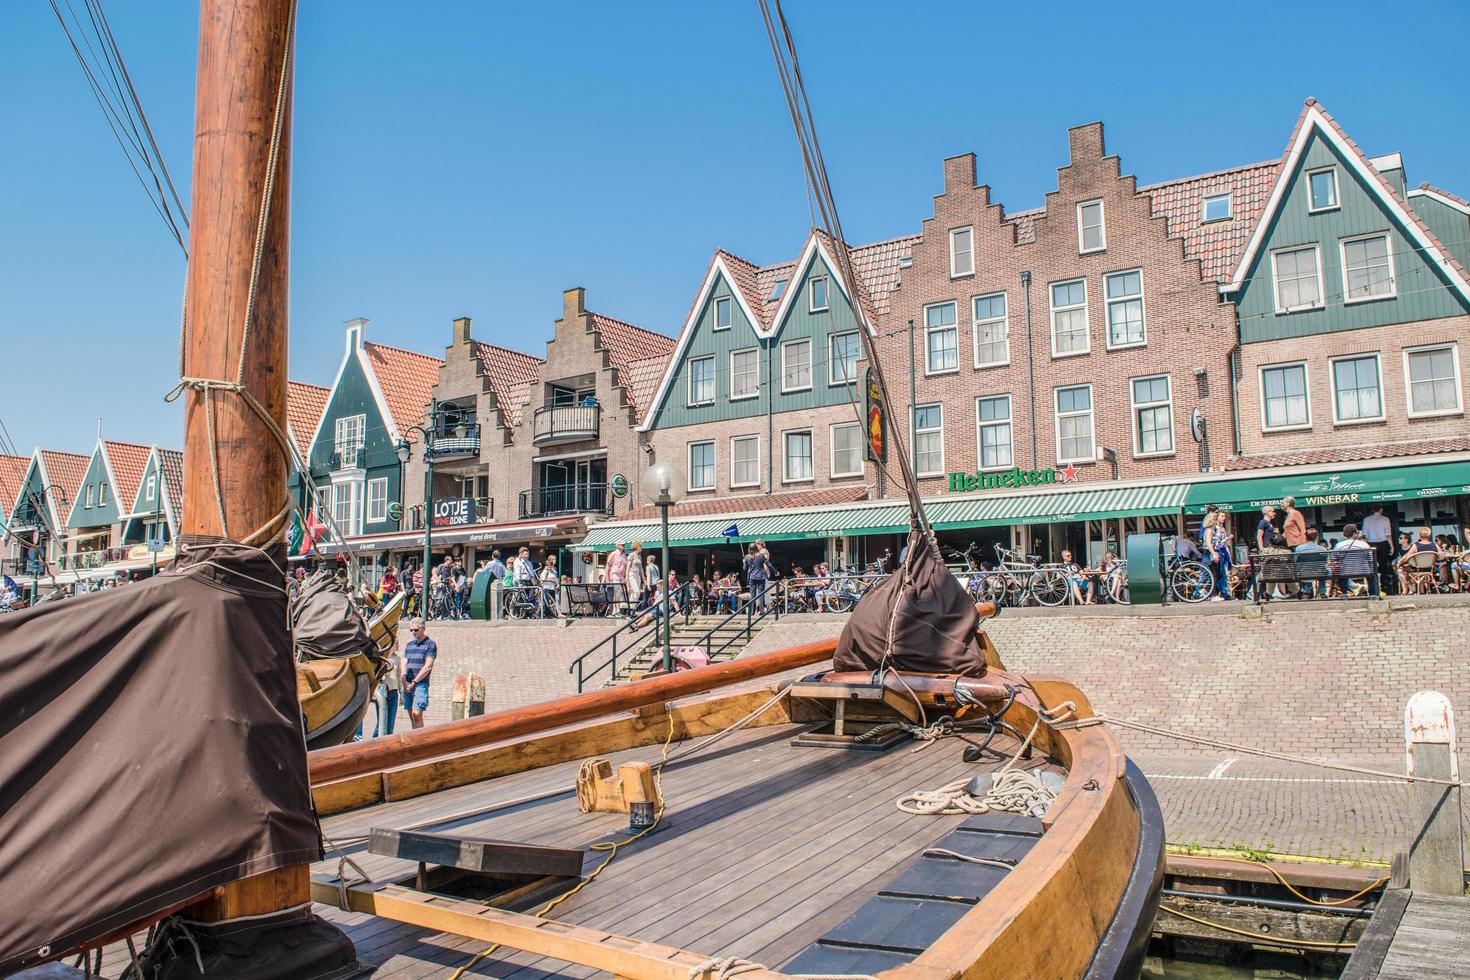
(476, 159)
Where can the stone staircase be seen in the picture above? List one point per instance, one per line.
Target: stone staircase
(733, 636)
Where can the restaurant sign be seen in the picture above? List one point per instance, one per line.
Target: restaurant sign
(1011, 479)
(454, 512)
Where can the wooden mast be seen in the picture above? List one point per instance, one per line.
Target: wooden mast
(242, 48)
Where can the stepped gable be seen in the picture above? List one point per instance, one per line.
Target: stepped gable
(824, 497)
(66, 472)
(12, 473)
(171, 464)
(641, 382)
(407, 380)
(1217, 244)
(305, 404)
(511, 374)
(128, 460)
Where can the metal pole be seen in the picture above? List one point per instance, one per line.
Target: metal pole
(663, 509)
(428, 509)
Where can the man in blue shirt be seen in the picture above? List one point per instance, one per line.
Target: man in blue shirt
(496, 566)
(418, 663)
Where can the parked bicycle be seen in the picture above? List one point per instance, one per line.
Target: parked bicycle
(1017, 581)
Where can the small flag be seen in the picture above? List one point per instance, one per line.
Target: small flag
(733, 531)
(296, 537)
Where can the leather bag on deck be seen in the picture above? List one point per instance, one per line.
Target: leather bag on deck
(150, 750)
(934, 631)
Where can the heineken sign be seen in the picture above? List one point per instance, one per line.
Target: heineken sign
(1012, 479)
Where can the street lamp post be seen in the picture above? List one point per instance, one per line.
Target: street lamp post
(664, 485)
(404, 452)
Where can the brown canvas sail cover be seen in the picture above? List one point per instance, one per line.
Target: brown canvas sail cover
(150, 749)
(325, 623)
(934, 631)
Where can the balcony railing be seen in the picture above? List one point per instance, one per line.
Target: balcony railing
(565, 423)
(450, 444)
(571, 498)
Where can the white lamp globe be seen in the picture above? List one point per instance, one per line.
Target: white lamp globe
(663, 483)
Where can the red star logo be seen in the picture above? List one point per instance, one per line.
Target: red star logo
(1069, 473)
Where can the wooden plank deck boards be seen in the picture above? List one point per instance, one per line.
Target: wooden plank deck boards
(1433, 940)
(765, 846)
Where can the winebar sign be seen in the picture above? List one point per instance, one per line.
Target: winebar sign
(455, 512)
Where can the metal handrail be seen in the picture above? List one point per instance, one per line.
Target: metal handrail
(551, 422)
(774, 602)
(629, 627)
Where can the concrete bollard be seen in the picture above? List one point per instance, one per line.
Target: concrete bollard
(468, 699)
(1436, 864)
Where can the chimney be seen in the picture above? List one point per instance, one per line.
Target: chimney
(355, 329)
(461, 331)
(573, 302)
(1086, 142)
(959, 173)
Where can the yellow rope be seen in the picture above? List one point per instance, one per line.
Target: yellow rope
(1271, 940)
(1292, 888)
(611, 847)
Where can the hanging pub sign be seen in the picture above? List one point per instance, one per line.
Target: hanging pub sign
(876, 413)
(454, 512)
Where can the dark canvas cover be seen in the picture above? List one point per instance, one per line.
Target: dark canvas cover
(150, 749)
(324, 622)
(934, 631)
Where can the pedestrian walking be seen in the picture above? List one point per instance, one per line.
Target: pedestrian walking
(1378, 532)
(757, 574)
(634, 578)
(1294, 526)
(419, 654)
(385, 696)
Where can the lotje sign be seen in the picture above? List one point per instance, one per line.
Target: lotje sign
(1010, 479)
(456, 512)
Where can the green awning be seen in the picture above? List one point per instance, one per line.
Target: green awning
(892, 518)
(1334, 488)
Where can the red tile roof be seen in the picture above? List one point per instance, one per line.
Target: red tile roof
(66, 472)
(824, 497)
(171, 463)
(1427, 186)
(1217, 244)
(128, 460)
(629, 350)
(1350, 454)
(406, 379)
(12, 472)
(876, 266)
(642, 378)
(305, 404)
(511, 376)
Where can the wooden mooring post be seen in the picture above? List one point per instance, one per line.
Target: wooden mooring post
(1436, 854)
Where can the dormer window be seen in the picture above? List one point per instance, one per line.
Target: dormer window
(778, 289)
(722, 313)
(817, 294)
(1091, 235)
(1322, 185)
(1216, 207)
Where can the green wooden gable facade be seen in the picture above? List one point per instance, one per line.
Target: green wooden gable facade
(793, 320)
(96, 504)
(25, 514)
(1448, 218)
(355, 394)
(1423, 287)
(152, 511)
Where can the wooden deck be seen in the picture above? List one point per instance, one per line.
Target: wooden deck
(763, 848)
(1413, 936)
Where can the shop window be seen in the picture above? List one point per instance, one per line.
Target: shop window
(1357, 392)
(847, 449)
(1284, 403)
(993, 421)
(1153, 416)
(1074, 424)
(992, 331)
(798, 466)
(701, 466)
(929, 440)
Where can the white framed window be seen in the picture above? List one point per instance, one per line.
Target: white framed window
(928, 440)
(993, 437)
(745, 461)
(846, 440)
(796, 365)
(1297, 273)
(798, 444)
(1215, 207)
(1153, 415)
(701, 466)
(347, 439)
(150, 487)
(816, 292)
(1124, 293)
(91, 500)
(1074, 424)
(1357, 389)
(1284, 401)
(1069, 334)
(102, 494)
(723, 313)
(941, 339)
(1432, 380)
(377, 500)
(1091, 234)
(1322, 189)
(1367, 268)
(843, 351)
(961, 252)
(745, 373)
(702, 380)
(346, 503)
(992, 331)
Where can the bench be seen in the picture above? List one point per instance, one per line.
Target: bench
(598, 599)
(1314, 566)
